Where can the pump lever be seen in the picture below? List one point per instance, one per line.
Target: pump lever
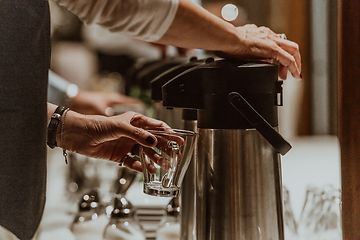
(259, 123)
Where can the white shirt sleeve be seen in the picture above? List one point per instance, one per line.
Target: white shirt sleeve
(147, 20)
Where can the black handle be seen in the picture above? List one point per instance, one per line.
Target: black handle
(259, 123)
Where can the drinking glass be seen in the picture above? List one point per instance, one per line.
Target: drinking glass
(165, 165)
(329, 227)
(321, 215)
(290, 224)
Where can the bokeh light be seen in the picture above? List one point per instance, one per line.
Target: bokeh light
(229, 12)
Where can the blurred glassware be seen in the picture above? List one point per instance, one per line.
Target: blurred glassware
(330, 227)
(89, 224)
(89, 174)
(107, 173)
(91, 183)
(311, 212)
(321, 214)
(123, 224)
(125, 178)
(290, 223)
(82, 177)
(169, 227)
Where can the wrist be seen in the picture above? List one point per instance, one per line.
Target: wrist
(54, 125)
(67, 129)
(234, 40)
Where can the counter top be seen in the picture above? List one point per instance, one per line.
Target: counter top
(313, 161)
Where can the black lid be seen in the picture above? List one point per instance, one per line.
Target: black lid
(206, 87)
(144, 76)
(160, 80)
(189, 114)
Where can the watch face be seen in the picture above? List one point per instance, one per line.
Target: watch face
(72, 90)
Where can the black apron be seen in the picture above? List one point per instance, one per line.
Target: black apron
(24, 64)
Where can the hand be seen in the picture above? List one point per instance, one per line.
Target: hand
(97, 103)
(108, 137)
(263, 43)
(202, 30)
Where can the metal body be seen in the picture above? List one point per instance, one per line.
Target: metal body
(172, 116)
(187, 196)
(237, 170)
(238, 186)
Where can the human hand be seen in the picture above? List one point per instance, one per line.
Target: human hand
(202, 30)
(98, 103)
(263, 43)
(108, 137)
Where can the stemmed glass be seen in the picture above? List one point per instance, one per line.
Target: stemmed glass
(123, 222)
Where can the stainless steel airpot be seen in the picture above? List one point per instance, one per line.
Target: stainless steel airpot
(237, 169)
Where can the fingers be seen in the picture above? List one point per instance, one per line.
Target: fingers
(282, 72)
(141, 121)
(156, 158)
(131, 124)
(132, 161)
(262, 42)
(291, 48)
(138, 123)
(288, 54)
(288, 61)
(143, 137)
(132, 164)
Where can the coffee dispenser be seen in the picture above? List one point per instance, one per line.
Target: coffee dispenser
(237, 168)
(188, 120)
(173, 117)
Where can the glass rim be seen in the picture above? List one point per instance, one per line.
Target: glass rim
(161, 130)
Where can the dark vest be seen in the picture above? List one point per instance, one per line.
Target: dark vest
(24, 64)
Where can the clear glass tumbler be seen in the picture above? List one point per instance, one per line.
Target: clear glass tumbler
(321, 215)
(165, 165)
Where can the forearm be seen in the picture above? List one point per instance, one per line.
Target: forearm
(194, 27)
(144, 19)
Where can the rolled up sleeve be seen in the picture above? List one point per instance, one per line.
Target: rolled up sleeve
(147, 20)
